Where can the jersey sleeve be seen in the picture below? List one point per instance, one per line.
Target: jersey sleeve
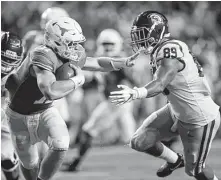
(44, 58)
(170, 50)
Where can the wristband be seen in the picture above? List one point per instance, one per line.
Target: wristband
(141, 92)
(78, 81)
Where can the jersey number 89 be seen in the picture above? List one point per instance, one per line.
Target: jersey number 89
(170, 52)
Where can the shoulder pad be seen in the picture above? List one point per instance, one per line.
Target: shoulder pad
(169, 49)
(45, 58)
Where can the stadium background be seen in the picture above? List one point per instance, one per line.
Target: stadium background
(196, 23)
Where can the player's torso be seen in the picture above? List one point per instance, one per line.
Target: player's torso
(26, 97)
(189, 92)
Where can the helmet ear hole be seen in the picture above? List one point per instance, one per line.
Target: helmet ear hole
(56, 49)
(58, 44)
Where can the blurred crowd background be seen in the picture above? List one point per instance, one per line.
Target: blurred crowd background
(196, 23)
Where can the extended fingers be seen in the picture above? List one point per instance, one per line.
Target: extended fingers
(122, 86)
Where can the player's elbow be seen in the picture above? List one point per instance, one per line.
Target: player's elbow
(160, 86)
(50, 96)
(48, 93)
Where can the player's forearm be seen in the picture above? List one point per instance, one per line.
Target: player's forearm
(104, 64)
(111, 64)
(58, 89)
(152, 89)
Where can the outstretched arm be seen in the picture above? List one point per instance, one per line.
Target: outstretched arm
(166, 72)
(106, 64)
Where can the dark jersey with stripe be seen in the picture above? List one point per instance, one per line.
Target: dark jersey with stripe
(25, 95)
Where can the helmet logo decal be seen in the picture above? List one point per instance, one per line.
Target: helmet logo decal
(63, 30)
(156, 18)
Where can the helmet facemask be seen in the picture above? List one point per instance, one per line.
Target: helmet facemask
(145, 37)
(72, 51)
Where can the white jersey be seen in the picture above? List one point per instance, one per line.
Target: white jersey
(4, 93)
(189, 93)
(4, 103)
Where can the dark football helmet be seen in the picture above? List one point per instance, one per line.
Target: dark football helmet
(11, 52)
(148, 29)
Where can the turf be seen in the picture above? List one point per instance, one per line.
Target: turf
(122, 163)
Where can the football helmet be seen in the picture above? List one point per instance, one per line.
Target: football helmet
(52, 13)
(148, 30)
(109, 43)
(11, 52)
(64, 36)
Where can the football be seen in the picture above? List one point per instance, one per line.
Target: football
(65, 72)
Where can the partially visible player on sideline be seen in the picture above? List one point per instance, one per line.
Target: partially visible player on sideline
(106, 115)
(33, 88)
(190, 113)
(11, 58)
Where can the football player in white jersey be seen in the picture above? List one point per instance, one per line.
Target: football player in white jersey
(190, 113)
(11, 58)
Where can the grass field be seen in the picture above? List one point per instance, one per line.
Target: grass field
(122, 163)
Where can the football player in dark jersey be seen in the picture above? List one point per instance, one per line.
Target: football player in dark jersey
(35, 38)
(11, 58)
(190, 112)
(105, 115)
(33, 88)
(65, 105)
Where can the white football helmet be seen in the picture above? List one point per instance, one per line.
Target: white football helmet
(63, 35)
(109, 43)
(52, 13)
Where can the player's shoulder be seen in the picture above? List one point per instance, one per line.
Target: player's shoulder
(171, 48)
(44, 57)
